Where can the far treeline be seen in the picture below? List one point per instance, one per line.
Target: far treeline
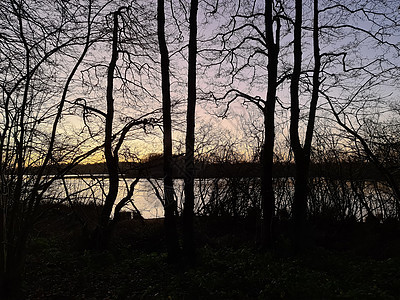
(154, 169)
(294, 86)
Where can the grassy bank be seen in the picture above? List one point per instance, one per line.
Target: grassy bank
(220, 273)
(229, 265)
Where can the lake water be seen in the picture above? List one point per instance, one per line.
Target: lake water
(232, 195)
(94, 189)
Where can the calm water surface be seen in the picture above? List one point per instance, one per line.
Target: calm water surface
(88, 189)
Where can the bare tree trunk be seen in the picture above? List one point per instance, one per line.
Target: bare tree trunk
(267, 156)
(299, 201)
(170, 206)
(188, 212)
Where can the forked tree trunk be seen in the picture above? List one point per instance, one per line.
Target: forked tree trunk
(102, 233)
(302, 154)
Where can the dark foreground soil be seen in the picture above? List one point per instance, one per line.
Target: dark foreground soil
(357, 263)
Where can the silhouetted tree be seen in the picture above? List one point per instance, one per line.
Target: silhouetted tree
(346, 74)
(188, 212)
(115, 134)
(364, 76)
(302, 153)
(41, 50)
(251, 43)
(105, 227)
(170, 206)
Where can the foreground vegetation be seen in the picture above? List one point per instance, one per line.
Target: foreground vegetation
(357, 261)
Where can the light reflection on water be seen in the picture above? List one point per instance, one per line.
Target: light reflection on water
(87, 189)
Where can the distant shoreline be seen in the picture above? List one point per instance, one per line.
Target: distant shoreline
(154, 169)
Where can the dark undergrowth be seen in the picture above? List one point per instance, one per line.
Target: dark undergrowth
(360, 261)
